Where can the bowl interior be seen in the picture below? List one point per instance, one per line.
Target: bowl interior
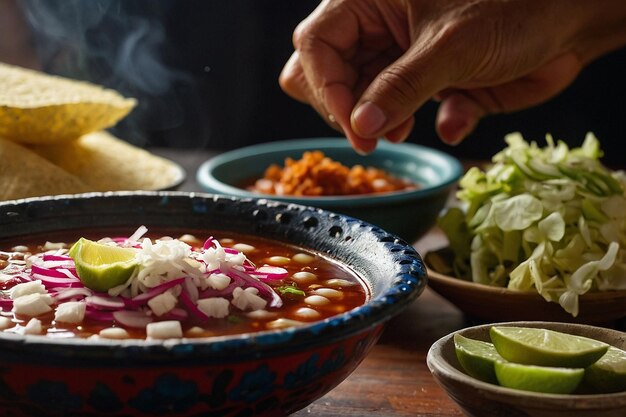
(395, 278)
(431, 169)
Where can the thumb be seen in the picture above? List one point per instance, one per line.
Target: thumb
(397, 92)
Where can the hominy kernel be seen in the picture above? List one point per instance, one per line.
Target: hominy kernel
(278, 260)
(303, 258)
(189, 238)
(195, 331)
(227, 241)
(304, 277)
(338, 282)
(307, 313)
(244, 248)
(5, 323)
(114, 333)
(329, 293)
(262, 314)
(317, 300)
(283, 323)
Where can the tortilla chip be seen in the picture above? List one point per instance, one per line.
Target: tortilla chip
(107, 163)
(39, 108)
(23, 174)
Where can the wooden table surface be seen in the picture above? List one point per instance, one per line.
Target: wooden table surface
(393, 380)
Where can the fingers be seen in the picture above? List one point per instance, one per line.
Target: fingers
(401, 133)
(340, 104)
(292, 79)
(460, 110)
(458, 115)
(537, 86)
(401, 89)
(319, 72)
(367, 72)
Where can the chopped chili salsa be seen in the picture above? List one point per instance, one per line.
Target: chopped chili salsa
(186, 286)
(316, 174)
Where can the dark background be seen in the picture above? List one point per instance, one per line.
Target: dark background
(205, 74)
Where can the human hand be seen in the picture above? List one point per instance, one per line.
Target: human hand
(368, 65)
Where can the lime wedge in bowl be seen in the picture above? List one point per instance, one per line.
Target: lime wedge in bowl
(608, 374)
(477, 357)
(544, 347)
(101, 267)
(548, 380)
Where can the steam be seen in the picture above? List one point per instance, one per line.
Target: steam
(138, 63)
(109, 43)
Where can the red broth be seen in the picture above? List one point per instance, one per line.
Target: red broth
(311, 288)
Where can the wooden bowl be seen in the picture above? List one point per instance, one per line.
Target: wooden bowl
(489, 303)
(481, 399)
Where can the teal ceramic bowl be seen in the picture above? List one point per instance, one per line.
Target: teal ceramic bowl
(407, 214)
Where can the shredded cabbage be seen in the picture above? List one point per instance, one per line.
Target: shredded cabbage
(552, 219)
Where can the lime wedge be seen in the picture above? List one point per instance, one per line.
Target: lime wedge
(608, 374)
(543, 347)
(101, 267)
(477, 358)
(544, 379)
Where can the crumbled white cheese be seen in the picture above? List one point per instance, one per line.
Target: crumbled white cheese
(164, 329)
(217, 281)
(248, 299)
(26, 288)
(213, 257)
(54, 245)
(162, 303)
(162, 261)
(236, 258)
(214, 307)
(70, 312)
(32, 304)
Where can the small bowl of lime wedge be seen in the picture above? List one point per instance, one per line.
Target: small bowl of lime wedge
(533, 369)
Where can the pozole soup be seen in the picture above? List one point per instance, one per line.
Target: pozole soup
(165, 284)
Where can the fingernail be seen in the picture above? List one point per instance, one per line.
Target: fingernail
(368, 119)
